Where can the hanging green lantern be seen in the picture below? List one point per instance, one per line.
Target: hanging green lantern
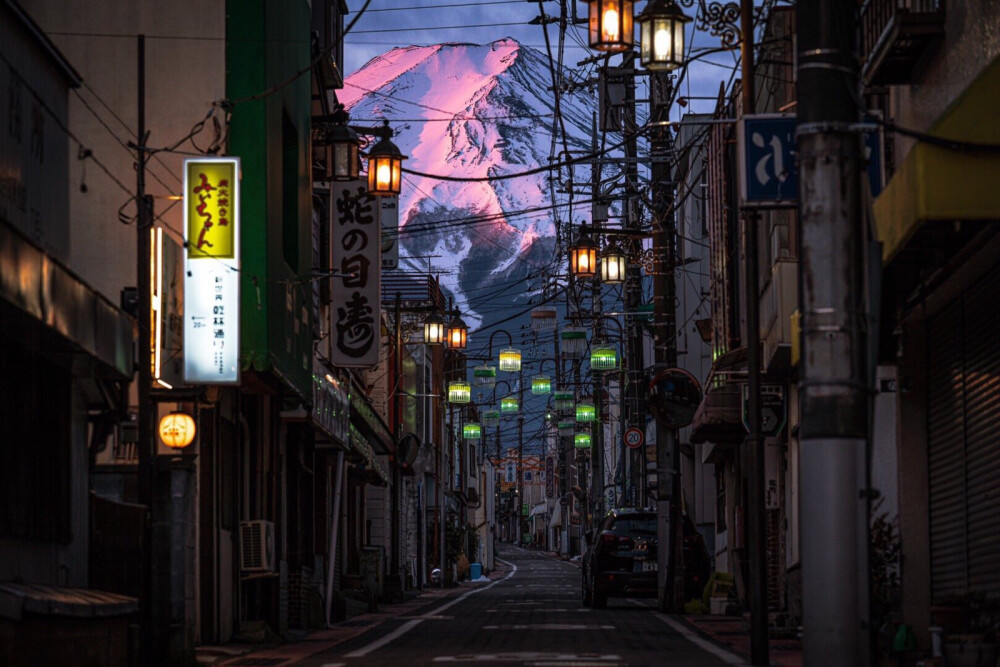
(567, 428)
(472, 431)
(581, 441)
(484, 376)
(541, 385)
(491, 418)
(459, 392)
(585, 412)
(604, 357)
(509, 404)
(573, 341)
(564, 400)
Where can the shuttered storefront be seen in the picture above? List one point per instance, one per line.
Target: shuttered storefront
(963, 433)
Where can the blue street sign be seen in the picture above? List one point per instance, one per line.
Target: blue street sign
(768, 166)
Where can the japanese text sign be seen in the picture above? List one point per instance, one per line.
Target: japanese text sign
(211, 271)
(354, 233)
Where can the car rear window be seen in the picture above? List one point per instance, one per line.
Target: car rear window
(638, 525)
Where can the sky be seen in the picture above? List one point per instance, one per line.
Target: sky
(392, 23)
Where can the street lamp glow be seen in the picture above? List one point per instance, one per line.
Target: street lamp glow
(458, 334)
(585, 412)
(177, 430)
(472, 431)
(581, 441)
(610, 25)
(385, 163)
(613, 265)
(583, 257)
(459, 392)
(661, 35)
(510, 360)
(509, 404)
(604, 357)
(434, 329)
(541, 385)
(484, 376)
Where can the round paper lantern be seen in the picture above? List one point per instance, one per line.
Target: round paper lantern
(177, 430)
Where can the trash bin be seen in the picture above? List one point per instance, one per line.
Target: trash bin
(475, 571)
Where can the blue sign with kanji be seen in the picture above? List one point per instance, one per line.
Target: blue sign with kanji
(768, 161)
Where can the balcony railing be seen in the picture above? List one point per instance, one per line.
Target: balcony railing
(894, 36)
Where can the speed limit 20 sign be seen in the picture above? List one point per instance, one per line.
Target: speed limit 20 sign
(633, 437)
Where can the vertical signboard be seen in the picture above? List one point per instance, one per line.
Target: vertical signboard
(354, 234)
(389, 222)
(211, 270)
(550, 477)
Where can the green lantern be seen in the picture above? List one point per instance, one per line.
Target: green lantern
(484, 376)
(585, 412)
(604, 357)
(509, 404)
(472, 431)
(459, 392)
(541, 385)
(564, 400)
(567, 428)
(581, 441)
(491, 418)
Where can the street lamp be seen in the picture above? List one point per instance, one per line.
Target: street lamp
(573, 341)
(661, 35)
(610, 25)
(543, 318)
(604, 357)
(458, 334)
(510, 360)
(583, 257)
(177, 430)
(508, 404)
(434, 329)
(581, 441)
(564, 401)
(385, 163)
(472, 431)
(585, 412)
(459, 391)
(342, 143)
(566, 428)
(613, 263)
(484, 376)
(491, 418)
(541, 385)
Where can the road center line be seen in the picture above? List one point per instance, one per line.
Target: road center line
(409, 625)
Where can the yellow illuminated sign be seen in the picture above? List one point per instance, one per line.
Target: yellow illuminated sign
(210, 202)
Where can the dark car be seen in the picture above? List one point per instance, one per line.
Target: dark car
(621, 559)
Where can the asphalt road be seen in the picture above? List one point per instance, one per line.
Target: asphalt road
(534, 616)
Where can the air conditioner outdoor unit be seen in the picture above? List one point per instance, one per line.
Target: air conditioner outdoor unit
(257, 546)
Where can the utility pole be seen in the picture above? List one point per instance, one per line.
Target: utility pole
(754, 450)
(397, 414)
(597, 430)
(833, 384)
(669, 552)
(520, 456)
(633, 284)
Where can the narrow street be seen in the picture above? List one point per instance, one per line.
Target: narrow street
(533, 616)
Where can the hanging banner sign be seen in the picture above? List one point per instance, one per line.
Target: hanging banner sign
(354, 232)
(550, 477)
(389, 222)
(212, 270)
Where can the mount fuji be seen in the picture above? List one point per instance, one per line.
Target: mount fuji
(470, 111)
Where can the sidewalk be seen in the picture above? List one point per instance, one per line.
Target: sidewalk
(733, 634)
(323, 640)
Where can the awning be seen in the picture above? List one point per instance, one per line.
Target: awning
(70, 316)
(16, 600)
(718, 418)
(936, 185)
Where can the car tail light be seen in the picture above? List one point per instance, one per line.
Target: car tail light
(616, 541)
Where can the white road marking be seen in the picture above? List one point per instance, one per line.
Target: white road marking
(700, 642)
(549, 626)
(409, 625)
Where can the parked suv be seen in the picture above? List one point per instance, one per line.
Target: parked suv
(621, 558)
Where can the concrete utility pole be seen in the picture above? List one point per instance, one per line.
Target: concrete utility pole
(754, 449)
(669, 551)
(597, 429)
(833, 382)
(520, 456)
(633, 285)
(396, 576)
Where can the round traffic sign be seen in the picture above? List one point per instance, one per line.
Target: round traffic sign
(633, 437)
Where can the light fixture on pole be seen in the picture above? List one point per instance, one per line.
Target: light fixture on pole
(583, 257)
(491, 418)
(510, 360)
(385, 163)
(573, 341)
(661, 35)
(581, 441)
(566, 428)
(434, 329)
(610, 25)
(585, 412)
(472, 431)
(459, 391)
(543, 318)
(603, 357)
(177, 430)
(342, 144)
(541, 385)
(509, 404)
(458, 334)
(484, 376)
(564, 401)
(613, 264)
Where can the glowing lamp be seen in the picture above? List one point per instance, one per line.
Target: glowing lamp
(491, 418)
(509, 404)
(484, 376)
(434, 329)
(385, 164)
(661, 35)
(510, 360)
(585, 412)
(604, 357)
(177, 430)
(541, 385)
(583, 257)
(581, 441)
(458, 334)
(610, 25)
(613, 264)
(459, 392)
(564, 400)
(573, 341)
(472, 431)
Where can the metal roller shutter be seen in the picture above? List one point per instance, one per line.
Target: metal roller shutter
(982, 434)
(946, 453)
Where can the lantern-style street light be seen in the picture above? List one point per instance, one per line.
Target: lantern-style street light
(177, 430)
(581, 441)
(564, 401)
(543, 318)
(385, 163)
(661, 35)
(604, 357)
(509, 404)
(610, 25)
(510, 360)
(472, 431)
(583, 257)
(541, 385)
(458, 334)
(491, 418)
(342, 144)
(484, 376)
(585, 412)
(434, 329)
(459, 391)
(613, 264)
(573, 341)
(566, 428)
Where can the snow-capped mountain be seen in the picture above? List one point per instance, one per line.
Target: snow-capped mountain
(473, 111)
